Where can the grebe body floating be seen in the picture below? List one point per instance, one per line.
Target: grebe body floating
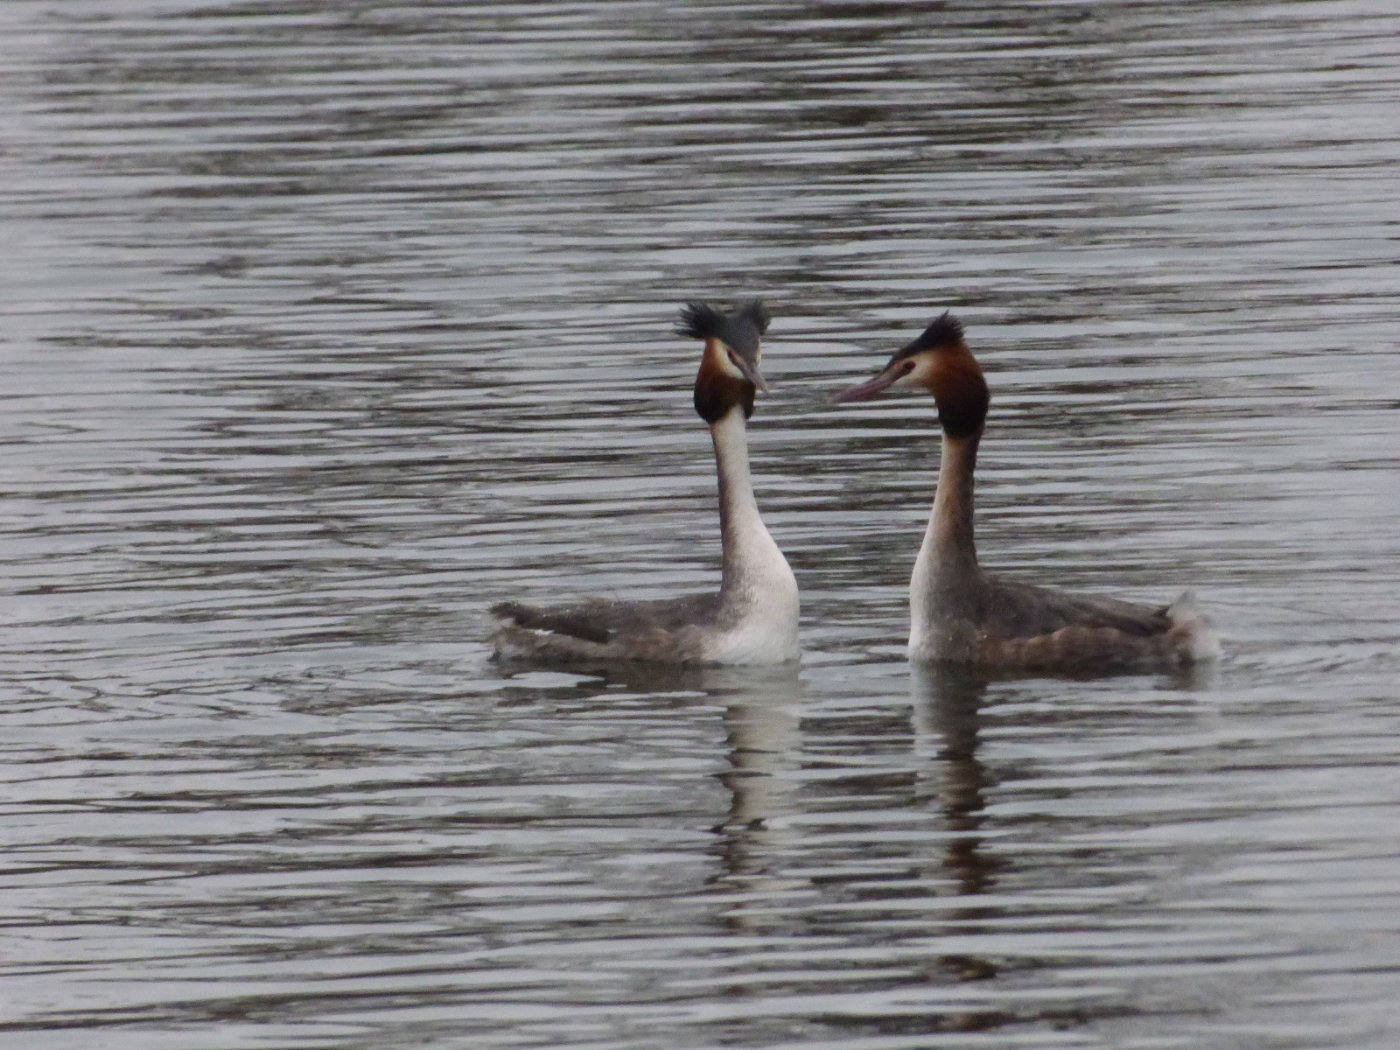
(753, 617)
(961, 614)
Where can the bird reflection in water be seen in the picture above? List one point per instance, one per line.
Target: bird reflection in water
(947, 712)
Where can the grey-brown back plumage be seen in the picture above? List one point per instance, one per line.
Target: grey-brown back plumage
(1020, 610)
(608, 622)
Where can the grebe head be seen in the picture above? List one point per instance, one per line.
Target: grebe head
(940, 362)
(729, 372)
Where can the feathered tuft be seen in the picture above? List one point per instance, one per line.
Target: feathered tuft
(945, 330)
(701, 321)
(756, 314)
(739, 329)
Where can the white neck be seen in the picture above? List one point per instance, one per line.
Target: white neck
(758, 592)
(947, 562)
(950, 523)
(749, 550)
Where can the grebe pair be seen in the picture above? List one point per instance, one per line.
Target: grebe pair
(959, 614)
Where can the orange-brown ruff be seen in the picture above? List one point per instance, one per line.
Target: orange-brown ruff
(753, 618)
(959, 613)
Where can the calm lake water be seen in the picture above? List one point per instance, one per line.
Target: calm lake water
(328, 324)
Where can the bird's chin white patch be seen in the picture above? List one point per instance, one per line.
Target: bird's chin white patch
(729, 368)
(918, 377)
(721, 358)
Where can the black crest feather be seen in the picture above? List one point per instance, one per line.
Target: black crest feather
(739, 329)
(756, 314)
(946, 330)
(700, 321)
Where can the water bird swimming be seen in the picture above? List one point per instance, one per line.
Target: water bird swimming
(961, 614)
(753, 617)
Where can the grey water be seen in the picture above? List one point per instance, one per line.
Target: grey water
(325, 325)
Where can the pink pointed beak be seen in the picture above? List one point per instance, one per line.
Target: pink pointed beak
(871, 387)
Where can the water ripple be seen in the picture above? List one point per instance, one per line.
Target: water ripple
(329, 325)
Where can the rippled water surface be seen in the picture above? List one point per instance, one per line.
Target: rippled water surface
(327, 324)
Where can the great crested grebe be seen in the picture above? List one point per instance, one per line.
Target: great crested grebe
(753, 618)
(959, 613)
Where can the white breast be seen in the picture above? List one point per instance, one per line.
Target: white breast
(764, 625)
